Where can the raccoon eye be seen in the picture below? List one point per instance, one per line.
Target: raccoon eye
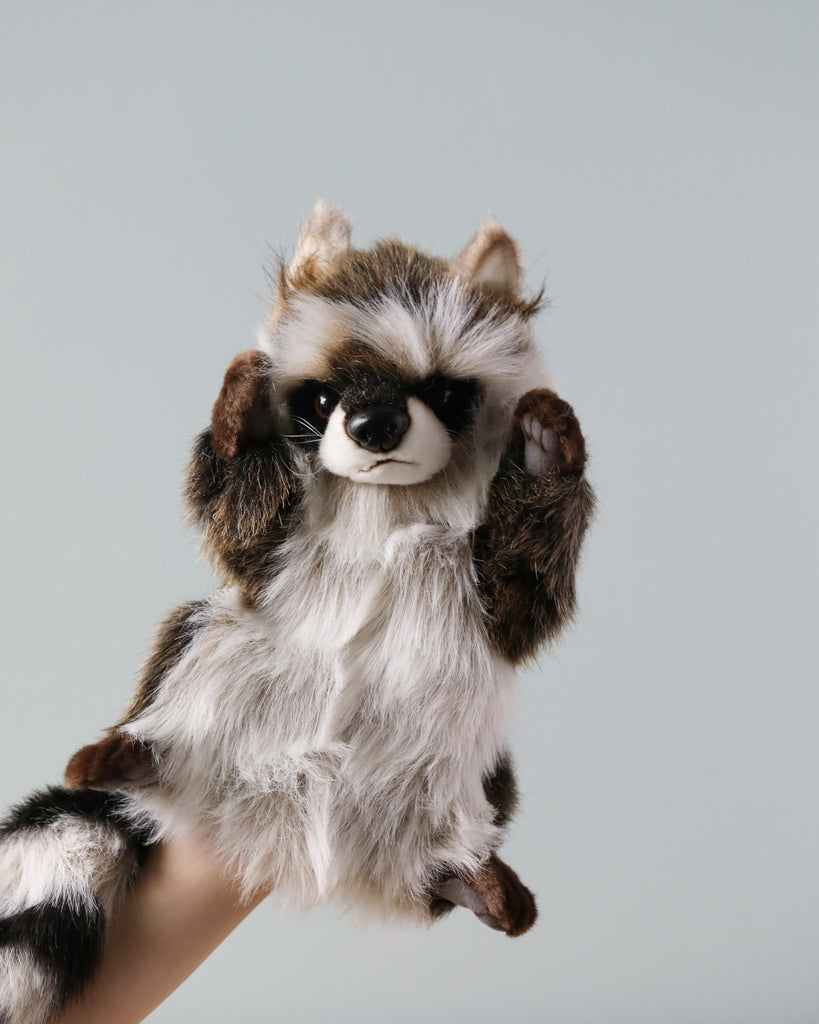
(324, 403)
(311, 405)
(443, 397)
(453, 401)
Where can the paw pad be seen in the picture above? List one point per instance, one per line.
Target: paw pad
(552, 438)
(541, 450)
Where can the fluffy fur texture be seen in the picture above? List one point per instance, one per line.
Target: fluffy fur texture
(397, 520)
(66, 858)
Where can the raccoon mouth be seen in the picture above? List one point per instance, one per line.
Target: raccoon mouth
(383, 462)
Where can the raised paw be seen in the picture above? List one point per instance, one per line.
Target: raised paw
(496, 896)
(118, 761)
(552, 438)
(242, 413)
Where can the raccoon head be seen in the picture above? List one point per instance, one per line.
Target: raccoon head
(389, 364)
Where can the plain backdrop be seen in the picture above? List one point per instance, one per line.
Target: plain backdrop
(659, 165)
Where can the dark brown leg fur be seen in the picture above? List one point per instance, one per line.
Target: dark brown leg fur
(241, 487)
(495, 895)
(117, 761)
(176, 632)
(527, 550)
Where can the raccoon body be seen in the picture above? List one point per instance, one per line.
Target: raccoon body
(397, 516)
(355, 726)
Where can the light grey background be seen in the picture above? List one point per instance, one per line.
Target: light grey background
(658, 163)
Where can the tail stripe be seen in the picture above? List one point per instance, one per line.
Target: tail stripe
(46, 806)
(66, 859)
(66, 941)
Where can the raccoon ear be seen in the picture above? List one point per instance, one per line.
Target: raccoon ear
(491, 260)
(324, 238)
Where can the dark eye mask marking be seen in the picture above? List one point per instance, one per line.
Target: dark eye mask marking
(453, 401)
(311, 405)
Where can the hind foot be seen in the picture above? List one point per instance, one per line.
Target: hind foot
(495, 896)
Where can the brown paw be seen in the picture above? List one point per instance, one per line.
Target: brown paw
(507, 899)
(116, 762)
(551, 434)
(496, 896)
(243, 412)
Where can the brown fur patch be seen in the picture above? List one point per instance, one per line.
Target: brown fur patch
(243, 506)
(393, 268)
(357, 373)
(495, 895)
(118, 760)
(241, 487)
(354, 359)
(507, 899)
(173, 637)
(305, 277)
(526, 551)
(243, 411)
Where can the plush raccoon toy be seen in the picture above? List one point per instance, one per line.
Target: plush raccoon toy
(397, 519)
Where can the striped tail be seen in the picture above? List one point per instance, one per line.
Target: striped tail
(66, 858)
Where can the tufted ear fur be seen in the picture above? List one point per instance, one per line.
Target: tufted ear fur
(491, 260)
(324, 238)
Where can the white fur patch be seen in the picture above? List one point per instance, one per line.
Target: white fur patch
(442, 337)
(311, 328)
(491, 260)
(325, 237)
(71, 859)
(423, 451)
(26, 993)
(333, 742)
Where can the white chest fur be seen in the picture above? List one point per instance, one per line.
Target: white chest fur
(334, 740)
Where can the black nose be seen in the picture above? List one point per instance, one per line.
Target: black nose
(378, 428)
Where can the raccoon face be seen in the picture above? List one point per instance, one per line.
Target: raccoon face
(389, 363)
(383, 432)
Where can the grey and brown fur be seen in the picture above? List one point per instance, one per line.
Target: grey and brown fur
(397, 518)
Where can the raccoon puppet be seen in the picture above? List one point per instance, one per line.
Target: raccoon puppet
(397, 519)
